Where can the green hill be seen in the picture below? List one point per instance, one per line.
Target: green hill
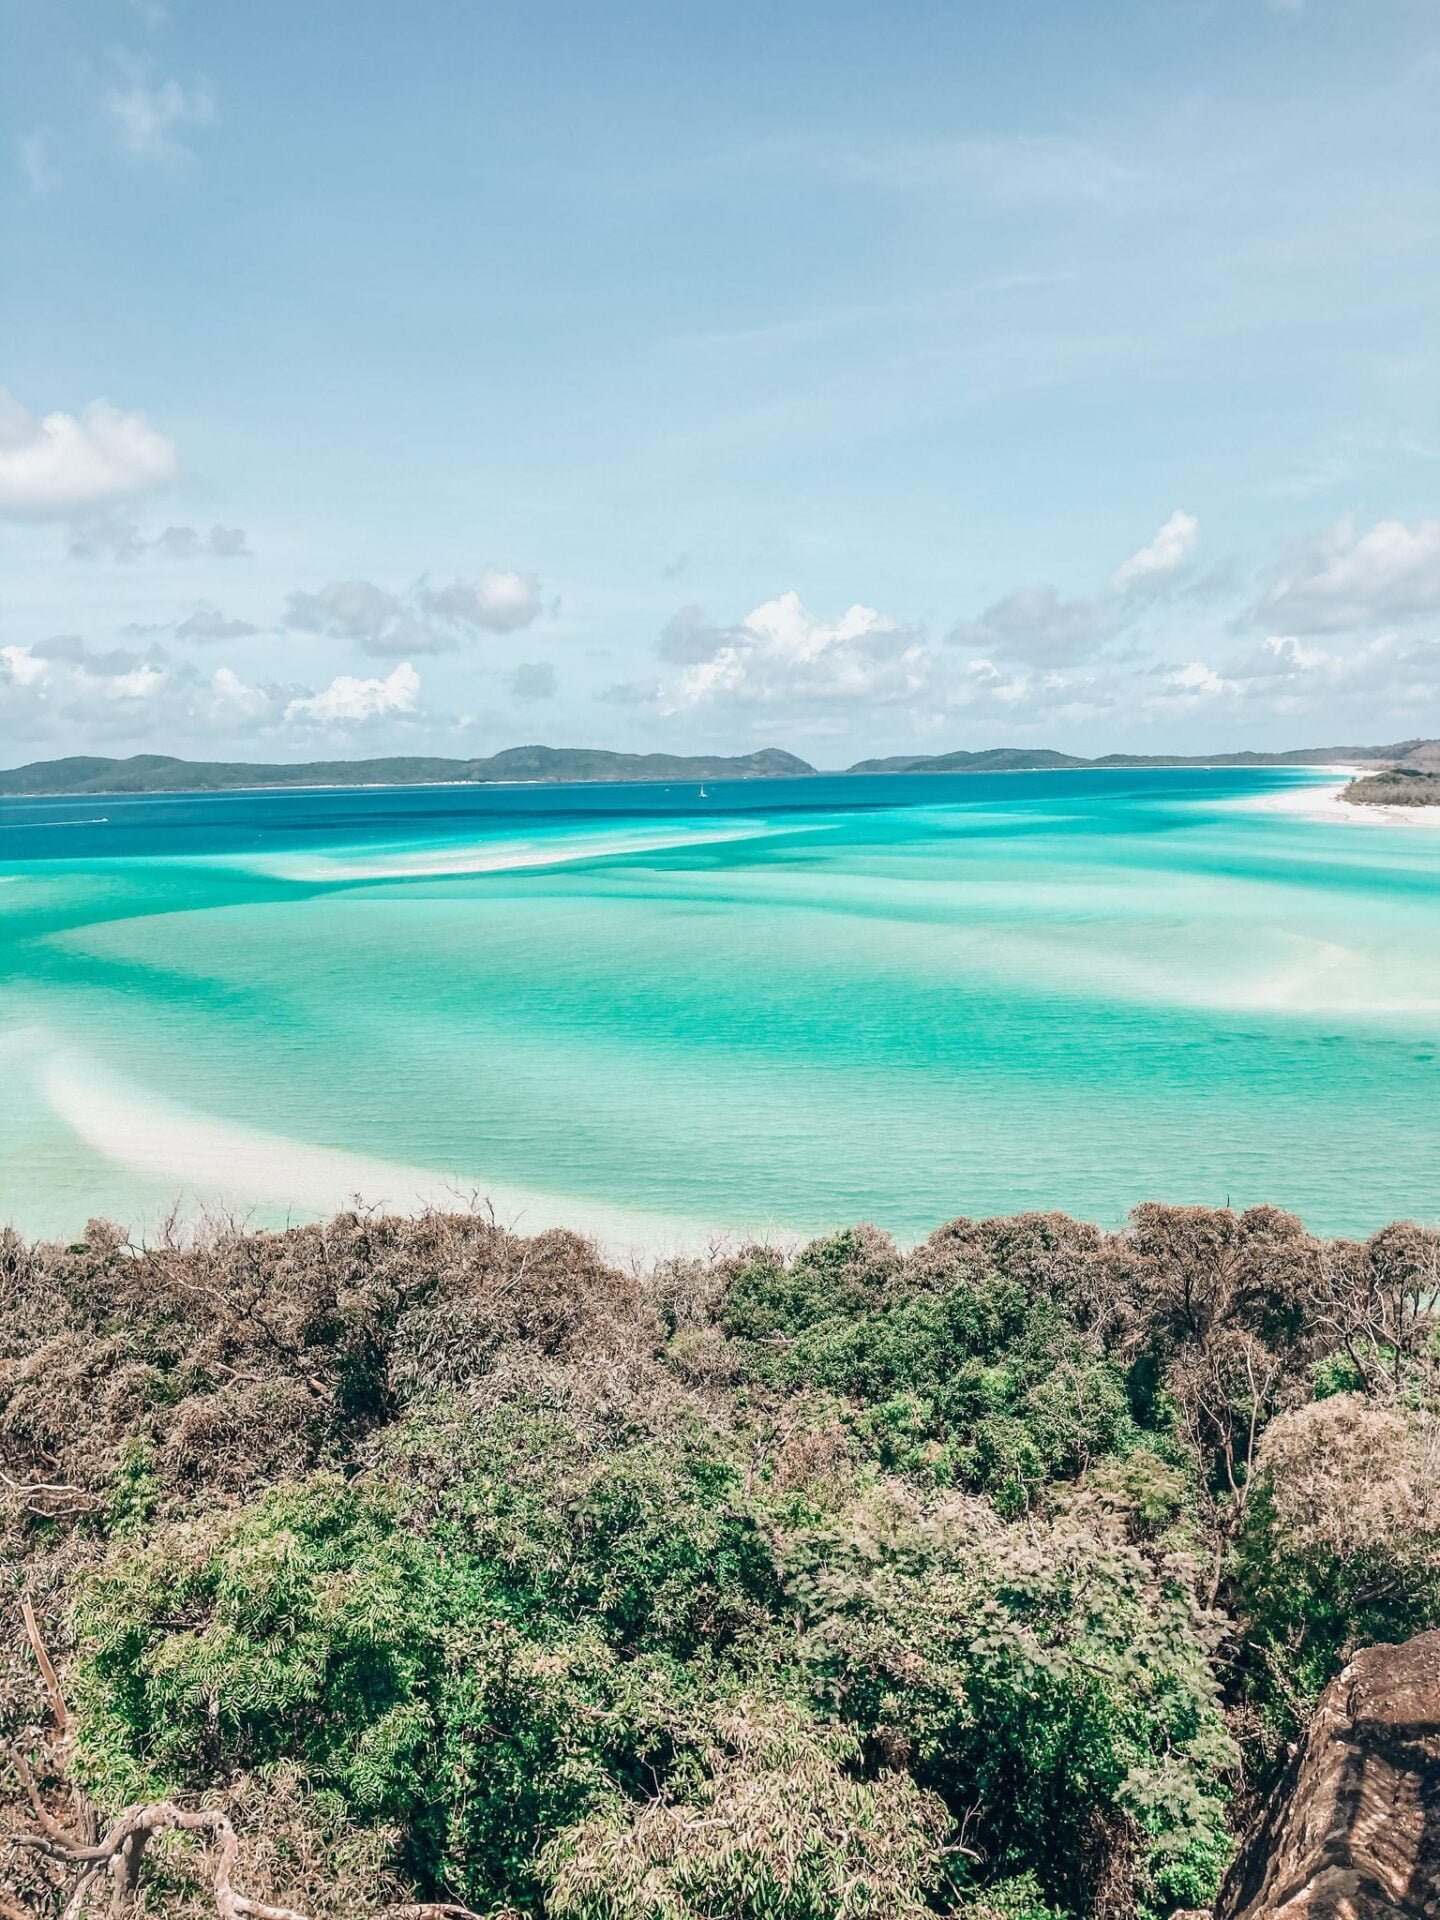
(1043, 759)
(160, 773)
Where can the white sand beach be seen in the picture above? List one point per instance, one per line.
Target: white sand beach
(213, 1168)
(1312, 801)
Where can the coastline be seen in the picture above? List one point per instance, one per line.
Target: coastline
(1221, 765)
(210, 1168)
(1325, 802)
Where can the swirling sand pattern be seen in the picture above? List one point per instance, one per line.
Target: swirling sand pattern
(658, 1016)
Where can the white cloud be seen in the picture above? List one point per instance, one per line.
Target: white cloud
(688, 638)
(56, 463)
(235, 700)
(63, 691)
(1169, 550)
(41, 173)
(1349, 579)
(147, 114)
(782, 655)
(344, 610)
(496, 601)
(1036, 627)
(19, 667)
(347, 700)
(61, 688)
(1019, 169)
(1198, 680)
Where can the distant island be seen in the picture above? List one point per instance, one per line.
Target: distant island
(159, 773)
(163, 773)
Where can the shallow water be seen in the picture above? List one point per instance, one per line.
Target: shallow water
(782, 1006)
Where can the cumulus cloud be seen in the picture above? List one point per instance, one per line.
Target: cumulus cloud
(783, 655)
(148, 115)
(428, 620)
(209, 623)
(496, 601)
(58, 463)
(187, 543)
(62, 687)
(107, 536)
(1034, 625)
(1170, 549)
(1198, 680)
(348, 700)
(1351, 579)
(534, 680)
(344, 610)
(688, 638)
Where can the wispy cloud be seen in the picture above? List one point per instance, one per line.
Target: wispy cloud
(1171, 548)
(149, 115)
(41, 173)
(108, 536)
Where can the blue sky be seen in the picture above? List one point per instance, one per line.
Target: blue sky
(846, 377)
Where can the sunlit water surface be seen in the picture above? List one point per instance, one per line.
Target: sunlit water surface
(779, 1006)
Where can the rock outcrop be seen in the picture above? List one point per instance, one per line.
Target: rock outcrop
(1352, 1831)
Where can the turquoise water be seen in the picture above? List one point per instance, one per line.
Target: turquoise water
(783, 1005)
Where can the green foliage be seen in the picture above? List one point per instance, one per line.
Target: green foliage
(982, 1386)
(477, 1665)
(771, 1824)
(1054, 1680)
(836, 1278)
(136, 1492)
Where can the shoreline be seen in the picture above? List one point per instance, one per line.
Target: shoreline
(209, 1168)
(672, 780)
(1326, 803)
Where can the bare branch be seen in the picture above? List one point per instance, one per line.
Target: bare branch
(121, 1851)
(59, 1711)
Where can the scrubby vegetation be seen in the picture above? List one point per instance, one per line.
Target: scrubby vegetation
(412, 1566)
(1397, 787)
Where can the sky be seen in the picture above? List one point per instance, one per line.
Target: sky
(690, 376)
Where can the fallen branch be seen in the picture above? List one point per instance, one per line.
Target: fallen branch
(58, 1710)
(121, 1852)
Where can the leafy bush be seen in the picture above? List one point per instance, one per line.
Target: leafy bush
(1052, 1679)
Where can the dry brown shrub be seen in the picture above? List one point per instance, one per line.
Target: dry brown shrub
(1347, 1476)
(703, 1357)
(1197, 1270)
(249, 1433)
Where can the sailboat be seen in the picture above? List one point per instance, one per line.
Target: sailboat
(703, 794)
